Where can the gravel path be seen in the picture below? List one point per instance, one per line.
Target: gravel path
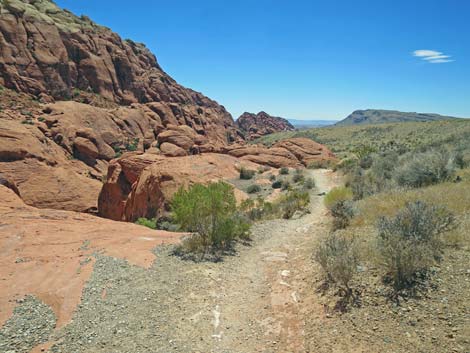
(249, 302)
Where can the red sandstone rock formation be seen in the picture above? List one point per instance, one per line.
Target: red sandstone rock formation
(141, 185)
(57, 152)
(257, 125)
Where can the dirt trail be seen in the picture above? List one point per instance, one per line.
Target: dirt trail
(267, 290)
(253, 301)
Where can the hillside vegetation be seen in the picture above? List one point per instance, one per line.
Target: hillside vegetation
(376, 116)
(398, 249)
(347, 140)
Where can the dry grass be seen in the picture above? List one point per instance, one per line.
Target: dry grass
(454, 196)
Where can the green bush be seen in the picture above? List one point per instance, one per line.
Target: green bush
(277, 184)
(309, 183)
(150, 223)
(27, 121)
(210, 213)
(423, 169)
(321, 164)
(342, 212)
(253, 189)
(132, 145)
(284, 171)
(272, 177)
(410, 242)
(298, 176)
(293, 201)
(246, 174)
(338, 257)
(285, 185)
(337, 194)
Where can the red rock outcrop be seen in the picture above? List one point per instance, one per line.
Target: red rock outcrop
(57, 153)
(257, 125)
(49, 253)
(305, 150)
(294, 152)
(141, 185)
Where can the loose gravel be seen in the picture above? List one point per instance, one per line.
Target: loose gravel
(31, 324)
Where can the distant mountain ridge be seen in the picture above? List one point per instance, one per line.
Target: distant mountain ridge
(305, 124)
(377, 116)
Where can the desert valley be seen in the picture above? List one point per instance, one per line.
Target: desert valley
(136, 215)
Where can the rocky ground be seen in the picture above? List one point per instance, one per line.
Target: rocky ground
(266, 297)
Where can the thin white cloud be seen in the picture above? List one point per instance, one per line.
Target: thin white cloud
(433, 56)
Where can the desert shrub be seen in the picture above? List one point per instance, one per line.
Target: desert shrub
(284, 171)
(210, 213)
(320, 164)
(277, 184)
(263, 169)
(253, 189)
(309, 183)
(337, 194)
(459, 160)
(293, 201)
(298, 176)
(149, 223)
(342, 212)
(246, 174)
(285, 185)
(256, 209)
(132, 145)
(338, 257)
(272, 177)
(423, 169)
(410, 242)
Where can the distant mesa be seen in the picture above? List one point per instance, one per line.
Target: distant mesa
(375, 116)
(257, 125)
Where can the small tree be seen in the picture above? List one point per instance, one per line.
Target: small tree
(210, 213)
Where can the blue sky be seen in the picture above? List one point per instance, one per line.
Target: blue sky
(305, 59)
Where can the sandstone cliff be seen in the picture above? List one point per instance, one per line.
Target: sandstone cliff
(81, 96)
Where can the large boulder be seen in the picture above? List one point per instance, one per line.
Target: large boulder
(305, 150)
(294, 152)
(40, 169)
(142, 185)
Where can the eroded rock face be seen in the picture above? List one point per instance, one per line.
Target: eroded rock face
(131, 105)
(41, 170)
(84, 97)
(142, 185)
(257, 125)
(46, 51)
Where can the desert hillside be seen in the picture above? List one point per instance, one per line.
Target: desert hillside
(376, 116)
